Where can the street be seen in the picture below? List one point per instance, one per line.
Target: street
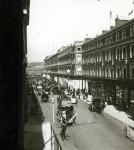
(92, 131)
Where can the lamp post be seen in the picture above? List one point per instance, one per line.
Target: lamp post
(53, 101)
(68, 72)
(52, 141)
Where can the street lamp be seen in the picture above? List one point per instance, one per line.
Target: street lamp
(68, 72)
(53, 101)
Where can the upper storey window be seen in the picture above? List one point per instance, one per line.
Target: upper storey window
(110, 39)
(106, 40)
(95, 44)
(102, 43)
(117, 37)
(124, 34)
(89, 46)
(124, 52)
(78, 49)
(98, 44)
(132, 73)
(117, 53)
(132, 50)
(132, 30)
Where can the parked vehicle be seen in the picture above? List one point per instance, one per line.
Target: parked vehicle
(96, 105)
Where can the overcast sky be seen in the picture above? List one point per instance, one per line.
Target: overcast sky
(57, 23)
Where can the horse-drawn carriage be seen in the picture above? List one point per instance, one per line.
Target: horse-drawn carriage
(66, 109)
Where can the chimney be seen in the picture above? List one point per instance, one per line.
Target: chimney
(87, 39)
(112, 27)
(104, 31)
(119, 22)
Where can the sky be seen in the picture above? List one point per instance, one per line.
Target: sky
(57, 23)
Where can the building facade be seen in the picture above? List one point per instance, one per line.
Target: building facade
(66, 65)
(104, 65)
(13, 50)
(108, 64)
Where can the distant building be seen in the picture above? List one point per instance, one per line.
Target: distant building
(35, 68)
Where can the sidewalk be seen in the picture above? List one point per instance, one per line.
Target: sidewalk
(120, 116)
(33, 138)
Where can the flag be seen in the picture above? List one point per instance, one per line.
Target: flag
(110, 14)
(130, 12)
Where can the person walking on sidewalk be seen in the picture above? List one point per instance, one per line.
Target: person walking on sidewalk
(63, 128)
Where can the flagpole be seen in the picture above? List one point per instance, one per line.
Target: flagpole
(110, 18)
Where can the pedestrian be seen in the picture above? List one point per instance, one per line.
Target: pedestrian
(63, 128)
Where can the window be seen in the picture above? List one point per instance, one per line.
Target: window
(97, 55)
(124, 34)
(118, 73)
(124, 52)
(100, 72)
(131, 50)
(100, 57)
(107, 73)
(132, 30)
(110, 39)
(88, 59)
(106, 40)
(79, 59)
(117, 53)
(112, 75)
(94, 58)
(78, 49)
(98, 44)
(106, 55)
(97, 73)
(117, 36)
(109, 56)
(132, 72)
(125, 73)
(102, 44)
(92, 72)
(95, 44)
